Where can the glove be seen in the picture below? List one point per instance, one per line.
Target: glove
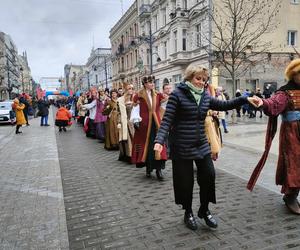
(136, 125)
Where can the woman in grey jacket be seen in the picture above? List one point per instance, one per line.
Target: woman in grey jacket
(184, 122)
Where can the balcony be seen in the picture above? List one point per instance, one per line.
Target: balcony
(180, 58)
(121, 73)
(145, 10)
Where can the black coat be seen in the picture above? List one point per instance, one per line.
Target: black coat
(184, 121)
(43, 107)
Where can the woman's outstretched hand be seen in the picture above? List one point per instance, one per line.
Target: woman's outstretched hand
(158, 147)
(255, 101)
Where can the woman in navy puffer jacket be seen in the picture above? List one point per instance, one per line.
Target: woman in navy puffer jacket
(184, 123)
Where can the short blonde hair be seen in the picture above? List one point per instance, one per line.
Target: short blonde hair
(193, 70)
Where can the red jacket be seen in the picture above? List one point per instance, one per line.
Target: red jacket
(63, 114)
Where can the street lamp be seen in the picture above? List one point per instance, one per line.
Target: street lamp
(149, 40)
(88, 78)
(21, 69)
(105, 71)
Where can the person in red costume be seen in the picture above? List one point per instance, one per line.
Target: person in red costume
(285, 102)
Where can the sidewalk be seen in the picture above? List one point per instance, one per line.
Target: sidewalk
(244, 145)
(32, 213)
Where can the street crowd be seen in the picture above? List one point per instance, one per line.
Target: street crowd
(148, 127)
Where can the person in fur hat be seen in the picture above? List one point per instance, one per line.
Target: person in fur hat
(285, 102)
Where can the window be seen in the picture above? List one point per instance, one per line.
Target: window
(184, 39)
(155, 23)
(164, 17)
(292, 38)
(175, 41)
(156, 83)
(165, 50)
(294, 1)
(136, 56)
(198, 35)
(148, 56)
(177, 79)
(184, 4)
(156, 53)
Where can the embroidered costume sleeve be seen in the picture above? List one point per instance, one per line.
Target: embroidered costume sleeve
(276, 104)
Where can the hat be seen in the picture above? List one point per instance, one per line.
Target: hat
(292, 69)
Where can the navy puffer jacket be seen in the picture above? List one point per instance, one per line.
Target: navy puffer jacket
(184, 122)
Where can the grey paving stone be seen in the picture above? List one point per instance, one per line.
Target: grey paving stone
(121, 209)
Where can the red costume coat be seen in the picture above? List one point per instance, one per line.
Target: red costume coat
(148, 114)
(288, 166)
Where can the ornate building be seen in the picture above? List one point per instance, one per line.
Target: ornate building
(127, 64)
(9, 68)
(99, 68)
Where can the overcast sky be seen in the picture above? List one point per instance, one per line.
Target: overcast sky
(57, 32)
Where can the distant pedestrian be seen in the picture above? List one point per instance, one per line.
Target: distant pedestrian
(267, 92)
(91, 106)
(100, 118)
(23, 99)
(258, 94)
(126, 130)
(20, 118)
(43, 106)
(221, 114)
(81, 110)
(111, 124)
(62, 118)
(238, 109)
(167, 90)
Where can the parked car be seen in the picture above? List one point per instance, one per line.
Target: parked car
(7, 115)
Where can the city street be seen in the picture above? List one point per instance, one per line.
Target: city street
(108, 204)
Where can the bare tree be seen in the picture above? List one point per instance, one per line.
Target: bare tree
(237, 34)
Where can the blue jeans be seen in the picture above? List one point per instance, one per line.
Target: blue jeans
(224, 124)
(44, 120)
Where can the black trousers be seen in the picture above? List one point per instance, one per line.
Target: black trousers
(183, 181)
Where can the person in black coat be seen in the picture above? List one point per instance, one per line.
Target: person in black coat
(184, 122)
(43, 106)
(25, 110)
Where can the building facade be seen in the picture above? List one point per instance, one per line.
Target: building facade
(74, 78)
(268, 67)
(175, 33)
(9, 68)
(127, 64)
(175, 28)
(99, 68)
(25, 78)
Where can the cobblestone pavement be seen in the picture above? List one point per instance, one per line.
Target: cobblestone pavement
(248, 139)
(32, 214)
(112, 205)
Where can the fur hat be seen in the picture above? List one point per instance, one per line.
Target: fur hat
(292, 69)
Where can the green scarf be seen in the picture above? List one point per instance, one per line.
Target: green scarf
(196, 92)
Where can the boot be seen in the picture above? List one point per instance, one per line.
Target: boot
(148, 172)
(292, 203)
(159, 175)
